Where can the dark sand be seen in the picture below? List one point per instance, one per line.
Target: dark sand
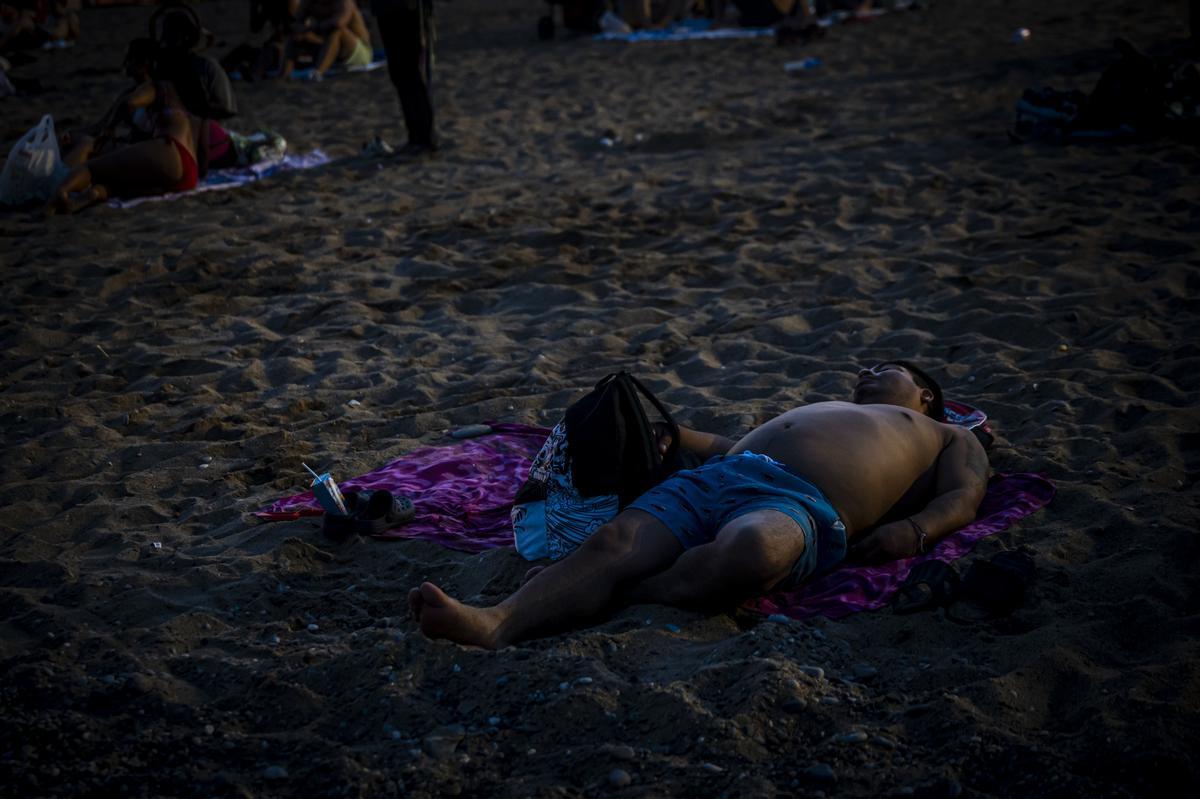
(167, 369)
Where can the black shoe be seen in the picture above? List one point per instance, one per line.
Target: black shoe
(416, 150)
(368, 513)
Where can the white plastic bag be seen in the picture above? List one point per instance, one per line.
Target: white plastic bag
(34, 167)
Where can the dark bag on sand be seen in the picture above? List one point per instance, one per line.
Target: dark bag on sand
(601, 457)
(614, 448)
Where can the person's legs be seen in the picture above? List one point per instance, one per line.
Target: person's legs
(750, 555)
(338, 46)
(148, 167)
(296, 43)
(82, 146)
(77, 180)
(400, 30)
(577, 588)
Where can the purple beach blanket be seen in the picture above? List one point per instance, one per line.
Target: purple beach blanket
(850, 589)
(463, 492)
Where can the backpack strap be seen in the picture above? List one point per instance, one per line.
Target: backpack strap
(666, 415)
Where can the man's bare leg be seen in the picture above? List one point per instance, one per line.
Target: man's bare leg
(749, 556)
(627, 549)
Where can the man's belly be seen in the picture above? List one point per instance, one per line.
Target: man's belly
(863, 459)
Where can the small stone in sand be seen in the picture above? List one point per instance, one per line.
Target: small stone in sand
(619, 778)
(795, 705)
(443, 741)
(822, 772)
(855, 737)
(622, 752)
(815, 672)
(713, 767)
(312, 628)
(275, 773)
(864, 671)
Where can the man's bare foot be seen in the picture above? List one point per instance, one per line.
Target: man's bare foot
(58, 204)
(442, 616)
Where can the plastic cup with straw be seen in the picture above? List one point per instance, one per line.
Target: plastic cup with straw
(327, 492)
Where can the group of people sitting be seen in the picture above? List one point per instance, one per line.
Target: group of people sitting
(650, 14)
(327, 33)
(34, 24)
(160, 135)
(164, 133)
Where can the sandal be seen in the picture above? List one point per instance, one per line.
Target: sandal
(994, 587)
(932, 584)
(368, 513)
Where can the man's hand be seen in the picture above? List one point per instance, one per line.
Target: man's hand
(662, 437)
(888, 542)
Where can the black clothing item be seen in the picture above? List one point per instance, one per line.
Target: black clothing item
(612, 444)
(406, 29)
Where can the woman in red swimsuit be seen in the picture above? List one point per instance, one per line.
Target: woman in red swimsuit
(165, 163)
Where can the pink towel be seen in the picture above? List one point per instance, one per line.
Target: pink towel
(853, 588)
(461, 492)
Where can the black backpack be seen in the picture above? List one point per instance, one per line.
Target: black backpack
(613, 446)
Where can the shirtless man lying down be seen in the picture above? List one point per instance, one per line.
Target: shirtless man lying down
(878, 475)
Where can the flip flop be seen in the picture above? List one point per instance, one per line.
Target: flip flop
(368, 513)
(932, 584)
(994, 587)
(380, 511)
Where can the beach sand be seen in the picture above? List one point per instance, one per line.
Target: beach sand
(751, 238)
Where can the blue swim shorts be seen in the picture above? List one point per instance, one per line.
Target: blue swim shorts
(695, 504)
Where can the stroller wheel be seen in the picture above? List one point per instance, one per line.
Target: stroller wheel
(546, 28)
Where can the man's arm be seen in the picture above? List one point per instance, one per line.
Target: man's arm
(961, 482)
(705, 445)
(339, 16)
(959, 485)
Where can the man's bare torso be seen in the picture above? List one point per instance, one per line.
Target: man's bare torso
(866, 459)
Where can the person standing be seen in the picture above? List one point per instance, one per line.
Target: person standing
(406, 27)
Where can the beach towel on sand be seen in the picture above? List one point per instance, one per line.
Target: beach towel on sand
(220, 179)
(463, 493)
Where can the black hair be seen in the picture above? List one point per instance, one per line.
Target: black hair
(142, 49)
(937, 408)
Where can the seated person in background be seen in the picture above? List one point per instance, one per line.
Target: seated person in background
(165, 163)
(62, 24)
(760, 13)
(106, 134)
(263, 54)
(650, 14)
(202, 84)
(132, 118)
(18, 26)
(337, 26)
(882, 474)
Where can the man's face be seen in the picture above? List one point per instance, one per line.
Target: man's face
(890, 384)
